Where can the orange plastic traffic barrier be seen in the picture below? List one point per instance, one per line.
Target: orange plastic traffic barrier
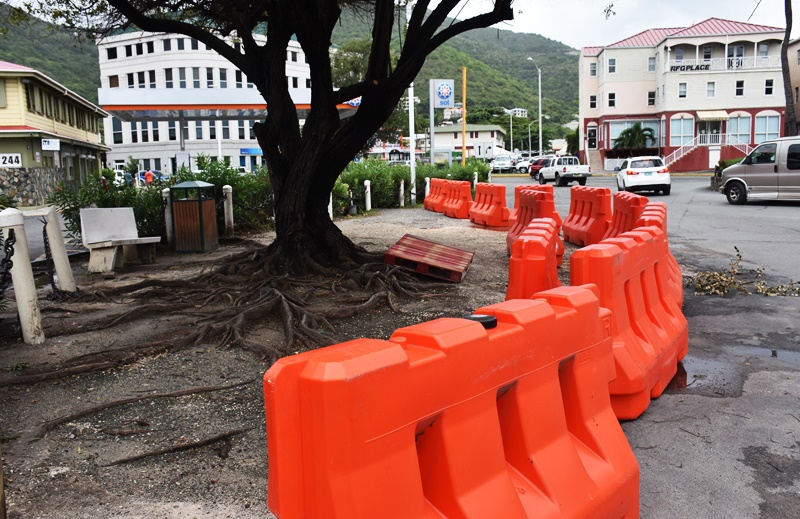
(655, 214)
(458, 199)
(589, 215)
(534, 203)
(650, 331)
(489, 207)
(455, 418)
(512, 217)
(533, 266)
(436, 196)
(627, 209)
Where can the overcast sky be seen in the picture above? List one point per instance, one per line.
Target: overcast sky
(582, 23)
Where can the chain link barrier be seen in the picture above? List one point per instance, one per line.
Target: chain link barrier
(6, 263)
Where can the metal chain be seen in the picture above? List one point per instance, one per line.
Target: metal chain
(49, 257)
(268, 202)
(6, 263)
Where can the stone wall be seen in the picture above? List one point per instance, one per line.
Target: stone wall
(30, 186)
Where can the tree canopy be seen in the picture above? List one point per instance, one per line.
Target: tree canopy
(303, 165)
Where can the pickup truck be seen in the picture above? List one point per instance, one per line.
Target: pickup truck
(563, 170)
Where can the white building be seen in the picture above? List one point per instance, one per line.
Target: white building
(709, 92)
(482, 140)
(518, 112)
(173, 99)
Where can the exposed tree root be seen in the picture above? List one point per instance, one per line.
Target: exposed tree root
(181, 447)
(52, 424)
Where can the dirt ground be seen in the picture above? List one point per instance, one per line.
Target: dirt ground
(72, 470)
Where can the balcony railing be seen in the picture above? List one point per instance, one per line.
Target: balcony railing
(717, 64)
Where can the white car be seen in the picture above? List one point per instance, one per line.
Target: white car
(523, 165)
(502, 163)
(643, 174)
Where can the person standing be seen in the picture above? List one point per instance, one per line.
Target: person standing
(149, 177)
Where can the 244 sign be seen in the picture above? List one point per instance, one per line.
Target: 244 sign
(10, 160)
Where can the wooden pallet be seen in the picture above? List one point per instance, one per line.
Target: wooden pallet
(429, 258)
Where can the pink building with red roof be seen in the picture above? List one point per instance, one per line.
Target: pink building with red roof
(710, 91)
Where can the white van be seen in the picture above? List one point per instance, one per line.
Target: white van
(769, 172)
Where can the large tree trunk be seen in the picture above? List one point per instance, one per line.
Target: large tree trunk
(790, 120)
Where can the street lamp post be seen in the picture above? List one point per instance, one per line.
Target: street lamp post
(530, 150)
(511, 126)
(540, 102)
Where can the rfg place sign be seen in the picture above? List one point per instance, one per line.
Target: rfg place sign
(690, 68)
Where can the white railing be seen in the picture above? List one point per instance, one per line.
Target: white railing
(708, 139)
(716, 64)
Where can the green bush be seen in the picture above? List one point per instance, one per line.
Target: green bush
(455, 172)
(384, 182)
(97, 191)
(252, 192)
(730, 162)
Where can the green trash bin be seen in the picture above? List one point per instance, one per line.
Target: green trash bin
(194, 217)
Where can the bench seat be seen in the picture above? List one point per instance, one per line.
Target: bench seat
(112, 239)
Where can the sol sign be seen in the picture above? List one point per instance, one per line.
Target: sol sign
(10, 160)
(443, 90)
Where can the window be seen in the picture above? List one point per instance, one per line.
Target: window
(128, 51)
(768, 83)
(209, 77)
(131, 82)
(167, 45)
(793, 157)
(764, 154)
(185, 130)
(763, 50)
(181, 77)
(150, 47)
(113, 81)
(155, 133)
(168, 77)
(152, 77)
(252, 133)
(241, 130)
(682, 90)
(308, 83)
(198, 130)
(592, 101)
(678, 53)
(140, 76)
(223, 78)
(796, 95)
(238, 79)
(195, 77)
(293, 55)
(134, 132)
(615, 128)
(711, 89)
(707, 52)
(145, 134)
(139, 49)
(111, 53)
(171, 134)
(798, 57)
(116, 130)
(612, 65)
(212, 130)
(294, 82)
(739, 88)
(767, 127)
(612, 100)
(651, 99)
(195, 44)
(180, 43)
(157, 164)
(593, 66)
(651, 64)
(739, 130)
(681, 131)
(226, 131)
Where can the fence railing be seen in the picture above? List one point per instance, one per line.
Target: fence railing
(718, 64)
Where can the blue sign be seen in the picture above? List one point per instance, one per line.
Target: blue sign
(250, 151)
(443, 90)
(354, 102)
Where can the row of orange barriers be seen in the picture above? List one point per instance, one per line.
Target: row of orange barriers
(503, 414)
(589, 215)
(490, 207)
(452, 198)
(436, 197)
(627, 209)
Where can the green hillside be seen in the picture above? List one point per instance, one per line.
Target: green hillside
(53, 52)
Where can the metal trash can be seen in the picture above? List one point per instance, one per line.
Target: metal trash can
(194, 217)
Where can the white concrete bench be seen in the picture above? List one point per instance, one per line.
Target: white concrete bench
(112, 239)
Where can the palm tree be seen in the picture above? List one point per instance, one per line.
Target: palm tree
(635, 138)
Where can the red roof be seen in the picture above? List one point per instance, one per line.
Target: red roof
(591, 51)
(648, 38)
(715, 26)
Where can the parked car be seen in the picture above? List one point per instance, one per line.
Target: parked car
(536, 165)
(563, 170)
(502, 163)
(769, 172)
(643, 174)
(523, 165)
